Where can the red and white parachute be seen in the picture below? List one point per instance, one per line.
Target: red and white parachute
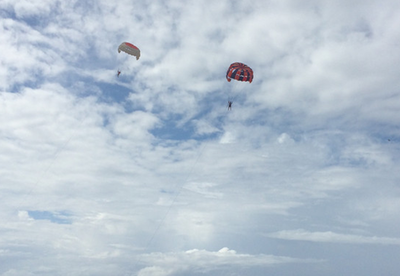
(130, 49)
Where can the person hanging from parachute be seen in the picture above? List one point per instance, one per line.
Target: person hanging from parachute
(130, 49)
(240, 72)
(229, 105)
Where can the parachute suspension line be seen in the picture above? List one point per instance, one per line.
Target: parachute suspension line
(176, 195)
(238, 71)
(129, 49)
(232, 98)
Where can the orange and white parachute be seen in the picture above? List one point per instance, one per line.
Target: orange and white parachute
(130, 49)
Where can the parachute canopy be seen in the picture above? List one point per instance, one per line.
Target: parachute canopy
(129, 49)
(239, 71)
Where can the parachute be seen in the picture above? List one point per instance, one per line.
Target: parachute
(130, 49)
(240, 72)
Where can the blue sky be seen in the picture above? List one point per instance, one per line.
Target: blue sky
(149, 174)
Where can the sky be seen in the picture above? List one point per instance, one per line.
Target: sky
(150, 174)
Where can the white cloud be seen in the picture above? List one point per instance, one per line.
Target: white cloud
(227, 138)
(285, 138)
(203, 188)
(206, 261)
(153, 161)
(302, 235)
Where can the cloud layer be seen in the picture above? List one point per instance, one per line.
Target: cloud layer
(148, 173)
